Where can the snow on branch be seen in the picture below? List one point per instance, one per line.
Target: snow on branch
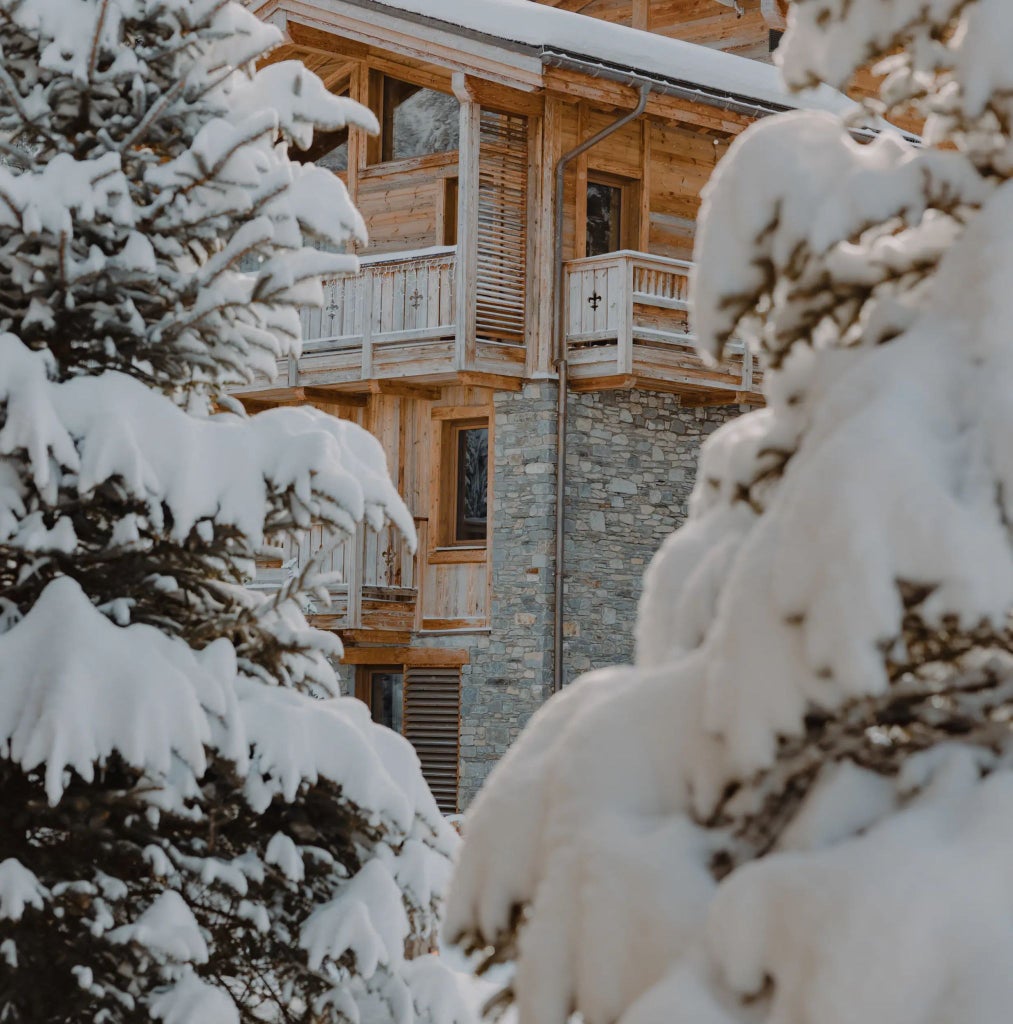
(89, 430)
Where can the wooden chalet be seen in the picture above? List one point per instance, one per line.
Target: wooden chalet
(482, 104)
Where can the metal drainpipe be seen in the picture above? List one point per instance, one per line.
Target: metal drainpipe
(561, 366)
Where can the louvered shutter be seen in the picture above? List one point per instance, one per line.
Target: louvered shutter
(502, 226)
(432, 716)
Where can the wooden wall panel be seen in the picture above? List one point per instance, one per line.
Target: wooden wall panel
(698, 21)
(399, 216)
(681, 164)
(454, 594)
(404, 206)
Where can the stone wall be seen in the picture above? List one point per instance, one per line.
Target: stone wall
(631, 465)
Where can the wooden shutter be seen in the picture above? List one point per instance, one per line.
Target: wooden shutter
(432, 717)
(502, 226)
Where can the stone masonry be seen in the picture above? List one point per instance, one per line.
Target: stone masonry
(631, 465)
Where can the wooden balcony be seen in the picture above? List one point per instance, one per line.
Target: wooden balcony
(398, 319)
(376, 584)
(626, 316)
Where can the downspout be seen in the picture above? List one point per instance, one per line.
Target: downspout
(561, 366)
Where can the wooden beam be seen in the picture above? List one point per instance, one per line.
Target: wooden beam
(611, 382)
(332, 397)
(269, 397)
(604, 93)
(410, 656)
(499, 381)
(353, 637)
(641, 16)
(500, 97)
(392, 33)
(315, 40)
(706, 400)
(403, 389)
(459, 412)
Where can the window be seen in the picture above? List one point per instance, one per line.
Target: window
(383, 690)
(471, 484)
(416, 121)
(336, 158)
(612, 214)
(604, 218)
(462, 515)
(450, 211)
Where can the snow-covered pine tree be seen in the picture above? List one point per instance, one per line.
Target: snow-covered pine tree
(797, 806)
(193, 826)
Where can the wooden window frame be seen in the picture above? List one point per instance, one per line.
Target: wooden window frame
(364, 683)
(629, 208)
(444, 545)
(379, 147)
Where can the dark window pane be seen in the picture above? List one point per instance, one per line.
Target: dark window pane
(417, 121)
(604, 216)
(336, 159)
(385, 698)
(472, 483)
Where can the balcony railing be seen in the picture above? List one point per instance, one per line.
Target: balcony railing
(397, 317)
(377, 578)
(627, 316)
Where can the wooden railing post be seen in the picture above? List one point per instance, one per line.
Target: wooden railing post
(567, 324)
(354, 576)
(624, 334)
(366, 310)
(421, 554)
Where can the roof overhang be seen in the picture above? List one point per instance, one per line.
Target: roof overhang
(387, 28)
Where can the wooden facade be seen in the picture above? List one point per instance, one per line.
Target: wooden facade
(742, 28)
(454, 301)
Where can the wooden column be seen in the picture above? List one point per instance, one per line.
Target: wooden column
(467, 225)
(540, 355)
(358, 89)
(535, 208)
(624, 333)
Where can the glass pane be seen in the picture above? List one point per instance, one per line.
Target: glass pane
(472, 483)
(385, 698)
(419, 121)
(604, 216)
(335, 159)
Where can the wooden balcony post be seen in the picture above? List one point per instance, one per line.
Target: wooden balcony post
(624, 332)
(747, 368)
(421, 554)
(366, 312)
(467, 225)
(356, 544)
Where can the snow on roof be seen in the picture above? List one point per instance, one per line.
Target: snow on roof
(550, 30)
